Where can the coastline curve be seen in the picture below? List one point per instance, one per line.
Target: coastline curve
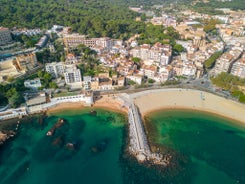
(178, 98)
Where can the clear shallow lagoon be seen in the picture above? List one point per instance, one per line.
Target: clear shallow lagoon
(213, 151)
(214, 146)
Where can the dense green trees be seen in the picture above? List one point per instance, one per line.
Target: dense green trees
(45, 56)
(209, 25)
(152, 34)
(84, 51)
(3, 100)
(94, 18)
(46, 80)
(15, 98)
(28, 41)
(178, 48)
(209, 63)
(231, 83)
(12, 93)
(212, 5)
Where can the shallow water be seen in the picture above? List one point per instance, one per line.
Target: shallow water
(32, 157)
(205, 148)
(215, 146)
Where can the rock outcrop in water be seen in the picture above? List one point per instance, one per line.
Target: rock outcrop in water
(5, 135)
(59, 123)
(100, 146)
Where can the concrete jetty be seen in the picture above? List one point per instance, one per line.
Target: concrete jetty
(138, 145)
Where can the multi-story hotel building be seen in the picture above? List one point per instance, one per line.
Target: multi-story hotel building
(5, 36)
(72, 74)
(73, 40)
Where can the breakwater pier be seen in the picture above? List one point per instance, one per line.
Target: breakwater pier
(138, 145)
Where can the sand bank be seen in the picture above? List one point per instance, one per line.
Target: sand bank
(152, 100)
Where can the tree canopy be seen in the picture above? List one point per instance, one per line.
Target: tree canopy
(209, 63)
(231, 83)
(93, 18)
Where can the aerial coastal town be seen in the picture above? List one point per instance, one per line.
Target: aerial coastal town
(122, 91)
(57, 65)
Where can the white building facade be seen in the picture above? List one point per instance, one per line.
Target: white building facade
(55, 69)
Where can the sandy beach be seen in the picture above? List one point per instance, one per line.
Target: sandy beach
(105, 102)
(154, 100)
(149, 101)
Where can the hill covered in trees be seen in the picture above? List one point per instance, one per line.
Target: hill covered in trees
(93, 17)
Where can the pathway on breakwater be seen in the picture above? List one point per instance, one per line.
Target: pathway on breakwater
(139, 146)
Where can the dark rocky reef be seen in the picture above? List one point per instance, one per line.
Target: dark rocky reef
(5, 135)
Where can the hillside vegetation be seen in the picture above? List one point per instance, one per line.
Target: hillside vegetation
(231, 83)
(93, 17)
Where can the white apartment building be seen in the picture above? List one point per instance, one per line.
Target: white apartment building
(56, 69)
(33, 84)
(189, 70)
(72, 74)
(238, 68)
(158, 54)
(5, 36)
(87, 82)
(136, 78)
(165, 73)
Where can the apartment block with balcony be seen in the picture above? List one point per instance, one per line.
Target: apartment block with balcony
(238, 68)
(72, 75)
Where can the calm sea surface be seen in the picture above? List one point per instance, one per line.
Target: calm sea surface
(215, 147)
(207, 150)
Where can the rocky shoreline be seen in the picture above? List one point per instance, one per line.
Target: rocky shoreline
(5, 135)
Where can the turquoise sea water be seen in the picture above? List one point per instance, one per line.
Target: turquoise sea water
(207, 150)
(214, 146)
(33, 158)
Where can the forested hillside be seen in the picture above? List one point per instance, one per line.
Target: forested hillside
(93, 17)
(213, 4)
